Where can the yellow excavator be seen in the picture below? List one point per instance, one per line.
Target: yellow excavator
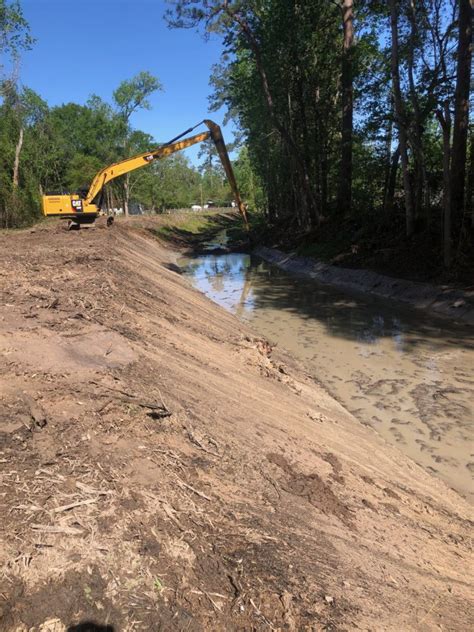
(85, 209)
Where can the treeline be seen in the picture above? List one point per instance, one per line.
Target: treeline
(59, 149)
(351, 109)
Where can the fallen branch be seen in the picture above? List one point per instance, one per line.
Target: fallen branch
(260, 614)
(169, 511)
(104, 406)
(196, 491)
(79, 503)
(90, 490)
(159, 410)
(52, 529)
(192, 437)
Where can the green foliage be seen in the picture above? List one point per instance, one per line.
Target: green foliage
(22, 114)
(158, 585)
(80, 171)
(133, 94)
(14, 30)
(281, 77)
(249, 182)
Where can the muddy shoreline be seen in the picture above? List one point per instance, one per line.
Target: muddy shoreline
(398, 370)
(448, 303)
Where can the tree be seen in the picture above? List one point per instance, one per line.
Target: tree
(130, 96)
(14, 37)
(239, 21)
(461, 110)
(22, 113)
(14, 31)
(344, 202)
(400, 118)
(444, 118)
(249, 182)
(323, 119)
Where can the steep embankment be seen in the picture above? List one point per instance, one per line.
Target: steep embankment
(164, 469)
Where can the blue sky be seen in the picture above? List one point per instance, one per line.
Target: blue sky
(89, 46)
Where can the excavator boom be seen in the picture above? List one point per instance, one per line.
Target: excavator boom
(137, 162)
(79, 210)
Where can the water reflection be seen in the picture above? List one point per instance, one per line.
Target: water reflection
(406, 375)
(226, 279)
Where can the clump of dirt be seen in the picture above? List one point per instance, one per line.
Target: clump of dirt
(313, 488)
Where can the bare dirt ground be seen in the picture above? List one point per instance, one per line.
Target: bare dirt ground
(164, 469)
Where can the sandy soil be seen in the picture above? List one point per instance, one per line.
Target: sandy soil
(162, 468)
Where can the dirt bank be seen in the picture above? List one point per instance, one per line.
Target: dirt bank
(164, 469)
(443, 301)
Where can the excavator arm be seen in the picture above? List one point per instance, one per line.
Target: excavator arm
(137, 162)
(142, 160)
(85, 210)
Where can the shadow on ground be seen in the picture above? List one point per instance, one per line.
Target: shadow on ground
(90, 626)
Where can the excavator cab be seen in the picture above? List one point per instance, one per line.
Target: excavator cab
(69, 206)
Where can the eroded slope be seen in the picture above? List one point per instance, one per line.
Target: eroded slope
(164, 469)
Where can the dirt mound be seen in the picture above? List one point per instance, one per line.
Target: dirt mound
(164, 469)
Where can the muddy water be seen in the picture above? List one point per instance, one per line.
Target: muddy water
(404, 374)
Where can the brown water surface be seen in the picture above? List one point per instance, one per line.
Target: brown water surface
(408, 376)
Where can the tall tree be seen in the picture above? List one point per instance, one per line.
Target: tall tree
(444, 118)
(344, 198)
(133, 94)
(14, 37)
(400, 118)
(130, 96)
(15, 33)
(461, 109)
(240, 20)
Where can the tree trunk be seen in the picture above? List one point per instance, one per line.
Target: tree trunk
(126, 194)
(16, 164)
(112, 198)
(416, 131)
(344, 198)
(444, 119)
(303, 120)
(388, 157)
(109, 200)
(392, 182)
(470, 181)
(461, 111)
(400, 120)
(324, 178)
